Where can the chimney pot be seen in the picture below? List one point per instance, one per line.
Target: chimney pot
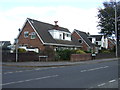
(56, 22)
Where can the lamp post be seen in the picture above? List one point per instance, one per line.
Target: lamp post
(16, 42)
(116, 28)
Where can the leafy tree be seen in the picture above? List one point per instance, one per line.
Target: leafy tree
(106, 18)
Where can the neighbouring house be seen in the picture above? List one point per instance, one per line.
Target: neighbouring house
(5, 46)
(82, 37)
(111, 44)
(37, 34)
(102, 41)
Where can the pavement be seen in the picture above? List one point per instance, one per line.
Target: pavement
(55, 63)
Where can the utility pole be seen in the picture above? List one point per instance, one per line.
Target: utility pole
(16, 42)
(116, 28)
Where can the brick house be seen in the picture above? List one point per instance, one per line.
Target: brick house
(100, 40)
(87, 45)
(37, 34)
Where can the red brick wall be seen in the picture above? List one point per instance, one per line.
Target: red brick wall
(30, 42)
(84, 45)
(80, 57)
(22, 57)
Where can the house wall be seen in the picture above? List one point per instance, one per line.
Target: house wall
(106, 43)
(84, 45)
(103, 42)
(28, 41)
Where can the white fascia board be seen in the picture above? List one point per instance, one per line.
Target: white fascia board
(35, 31)
(61, 45)
(83, 40)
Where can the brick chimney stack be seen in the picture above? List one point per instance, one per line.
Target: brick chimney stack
(56, 22)
(56, 26)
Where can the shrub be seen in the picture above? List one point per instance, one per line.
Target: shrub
(87, 51)
(21, 50)
(105, 51)
(66, 53)
(80, 52)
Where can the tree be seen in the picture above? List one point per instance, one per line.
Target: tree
(106, 18)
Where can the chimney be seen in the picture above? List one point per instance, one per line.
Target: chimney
(56, 22)
(56, 26)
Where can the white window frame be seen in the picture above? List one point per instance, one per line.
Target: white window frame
(81, 41)
(33, 35)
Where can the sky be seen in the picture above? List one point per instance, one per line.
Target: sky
(71, 14)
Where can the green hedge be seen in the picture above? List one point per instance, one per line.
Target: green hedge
(21, 50)
(66, 53)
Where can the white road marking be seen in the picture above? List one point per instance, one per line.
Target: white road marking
(107, 82)
(29, 70)
(19, 71)
(101, 84)
(7, 72)
(62, 66)
(94, 69)
(38, 69)
(54, 67)
(83, 70)
(30, 80)
(112, 81)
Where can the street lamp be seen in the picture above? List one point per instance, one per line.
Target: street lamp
(116, 28)
(16, 47)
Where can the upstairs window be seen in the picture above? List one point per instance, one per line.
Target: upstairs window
(33, 35)
(26, 34)
(68, 35)
(80, 41)
(60, 37)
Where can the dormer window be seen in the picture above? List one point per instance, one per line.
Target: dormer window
(60, 35)
(68, 35)
(26, 34)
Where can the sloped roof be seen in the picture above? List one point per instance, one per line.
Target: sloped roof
(112, 41)
(42, 30)
(85, 37)
(98, 37)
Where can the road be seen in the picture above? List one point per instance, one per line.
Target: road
(95, 75)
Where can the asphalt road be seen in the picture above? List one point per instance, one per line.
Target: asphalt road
(96, 75)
